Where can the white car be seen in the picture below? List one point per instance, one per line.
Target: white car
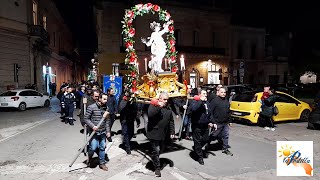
(23, 99)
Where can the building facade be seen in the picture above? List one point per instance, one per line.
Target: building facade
(212, 48)
(35, 45)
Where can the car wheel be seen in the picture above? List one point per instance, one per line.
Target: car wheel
(305, 115)
(22, 106)
(47, 103)
(311, 126)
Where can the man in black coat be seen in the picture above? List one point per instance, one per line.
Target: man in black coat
(220, 118)
(200, 119)
(160, 121)
(112, 106)
(128, 114)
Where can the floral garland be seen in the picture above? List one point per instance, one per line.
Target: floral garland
(129, 32)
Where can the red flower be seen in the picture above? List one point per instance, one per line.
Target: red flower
(139, 6)
(130, 14)
(173, 49)
(168, 16)
(149, 6)
(134, 83)
(174, 69)
(133, 74)
(132, 32)
(172, 42)
(132, 59)
(130, 22)
(125, 98)
(171, 29)
(129, 45)
(151, 83)
(156, 8)
(134, 89)
(173, 58)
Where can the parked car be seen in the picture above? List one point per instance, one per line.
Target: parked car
(314, 119)
(240, 88)
(246, 106)
(23, 99)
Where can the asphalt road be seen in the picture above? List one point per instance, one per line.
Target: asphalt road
(35, 144)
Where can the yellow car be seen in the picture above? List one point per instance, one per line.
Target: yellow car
(246, 107)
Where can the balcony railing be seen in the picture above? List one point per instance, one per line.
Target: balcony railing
(38, 31)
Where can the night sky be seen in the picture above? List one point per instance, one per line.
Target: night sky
(275, 15)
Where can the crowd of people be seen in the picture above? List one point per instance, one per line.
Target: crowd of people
(206, 119)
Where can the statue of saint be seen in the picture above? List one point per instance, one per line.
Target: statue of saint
(158, 46)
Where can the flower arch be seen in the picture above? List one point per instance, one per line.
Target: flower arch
(129, 32)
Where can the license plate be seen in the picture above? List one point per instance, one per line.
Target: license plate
(4, 104)
(237, 113)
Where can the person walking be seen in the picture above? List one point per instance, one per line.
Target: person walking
(160, 122)
(221, 120)
(92, 117)
(200, 118)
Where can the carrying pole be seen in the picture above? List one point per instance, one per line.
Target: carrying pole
(184, 115)
(89, 138)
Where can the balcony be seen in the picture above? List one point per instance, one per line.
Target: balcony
(201, 50)
(39, 32)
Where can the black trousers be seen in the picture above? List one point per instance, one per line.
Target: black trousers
(222, 133)
(267, 121)
(127, 132)
(200, 138)
(112, 119)
(155, 152)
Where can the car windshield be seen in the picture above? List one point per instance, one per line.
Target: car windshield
(245, 97)
(8, 93)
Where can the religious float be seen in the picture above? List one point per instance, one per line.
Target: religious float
(156, 80)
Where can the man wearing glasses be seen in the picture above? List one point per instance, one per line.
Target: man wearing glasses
(160, 121)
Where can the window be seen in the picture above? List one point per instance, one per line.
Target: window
(195, 38)
(284, 98)
(245, 97)
(59, 43)
(54, 39)
(253, 51)
(240, 53)
(122, 40)
(44, 22)
(213, 39)
(177, 35)
(9, 93)
(34, 93)
(35, 12)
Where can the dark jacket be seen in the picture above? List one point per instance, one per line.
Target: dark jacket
(128, 111)
(94, 115)
(212, 95)
(112, 105)
(200, 114)
(220, 110)
(67, 99)
(178, 104)
(268, 108)
(159, 120)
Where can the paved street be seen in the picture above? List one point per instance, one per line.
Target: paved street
(35, 144)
